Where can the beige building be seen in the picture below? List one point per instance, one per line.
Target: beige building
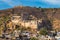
(32, 24)
(17, 20)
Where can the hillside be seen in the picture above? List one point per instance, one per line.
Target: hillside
(44, 13)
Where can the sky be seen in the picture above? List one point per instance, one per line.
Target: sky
(5, 4)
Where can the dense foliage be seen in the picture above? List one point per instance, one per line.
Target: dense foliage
(43, 31)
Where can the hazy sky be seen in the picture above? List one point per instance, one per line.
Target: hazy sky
(4, 4)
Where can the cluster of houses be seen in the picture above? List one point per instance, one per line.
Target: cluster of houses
(25, 21)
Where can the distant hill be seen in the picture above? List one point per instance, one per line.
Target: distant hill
(37, 12)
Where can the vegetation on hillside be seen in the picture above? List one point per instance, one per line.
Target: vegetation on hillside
(47, 14)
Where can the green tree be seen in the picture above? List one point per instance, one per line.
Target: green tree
(1, 29)
(43, 31)
(23, 29)
(28, 28)
(33, 38)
